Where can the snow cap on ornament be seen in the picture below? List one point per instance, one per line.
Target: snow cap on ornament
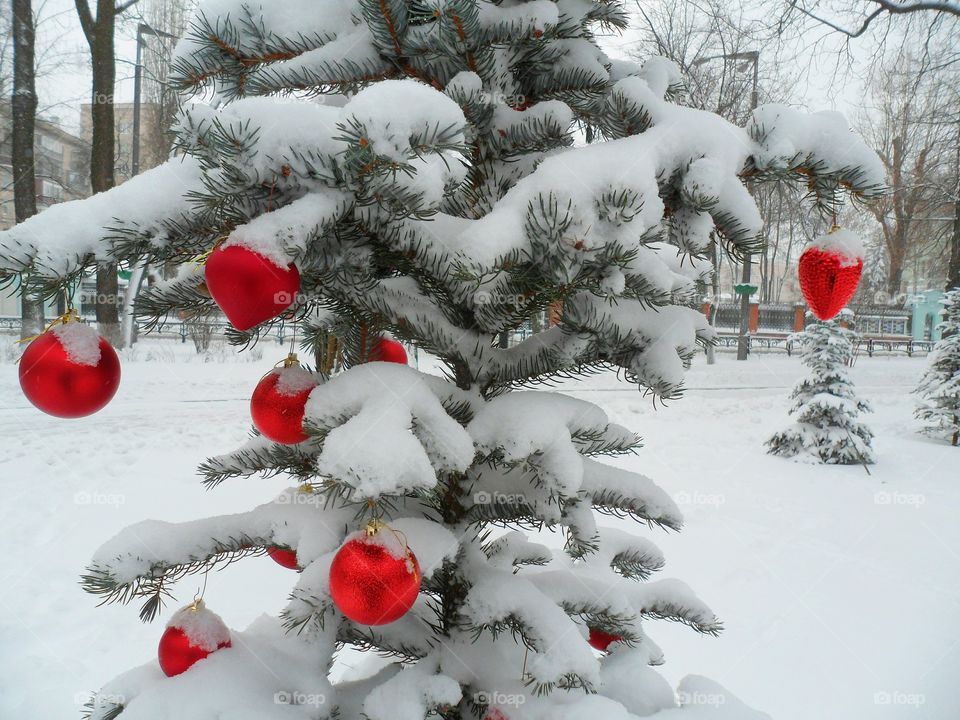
(191, 635)
(830, 270)
(69, 371)
(278, 402)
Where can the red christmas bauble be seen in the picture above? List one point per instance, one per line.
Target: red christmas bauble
(601, 640)
(374, 580)
(191, 635)
(70, 371)
(248, 287)
(495, 714)
(278, 402)
(387, 350)
(283, 556)
(828, 280)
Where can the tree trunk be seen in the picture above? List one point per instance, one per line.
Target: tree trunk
(895, 273)
(99, 34)
(953, 270)
(953, 273)
(24, 111)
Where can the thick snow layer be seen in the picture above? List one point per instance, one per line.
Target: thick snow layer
(294, 380)
(397, 433)
(80, 341)
(801, 563)
(279, 234)
(845, 243)
(203, 627)
(793, 135)
(404, 104)
(60, 237)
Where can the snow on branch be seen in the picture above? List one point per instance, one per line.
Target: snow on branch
(144, 559)
(61, 239)
(385, 430)
(546, 432)
(622, 492)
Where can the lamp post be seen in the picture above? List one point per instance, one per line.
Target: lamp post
(136, 273)
(142, 29)
(752, 56)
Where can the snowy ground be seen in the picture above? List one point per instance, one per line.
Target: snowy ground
(840, 591)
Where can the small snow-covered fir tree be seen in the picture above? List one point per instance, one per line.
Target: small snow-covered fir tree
(826, 409)
(939, 388)
(415, 160)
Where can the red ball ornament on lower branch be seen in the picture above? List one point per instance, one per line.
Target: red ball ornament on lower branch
(69, 371)
(284, 557)
(191, 635)
(248, 287)
(600, 640)
(374, 577)
(830, 271)
(388, 350)
(279, 399)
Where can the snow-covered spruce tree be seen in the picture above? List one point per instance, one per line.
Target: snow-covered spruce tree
(939, 388)
(415, 161)
(826, 409)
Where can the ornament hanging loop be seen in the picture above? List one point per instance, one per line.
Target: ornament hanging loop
(197, 603)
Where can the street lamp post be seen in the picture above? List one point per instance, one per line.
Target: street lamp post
(743, 337)
(142, 29)
(139, 272)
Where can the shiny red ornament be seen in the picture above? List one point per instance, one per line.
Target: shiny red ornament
(374, 579)
(828, 280)
(278, 402)
(601, 640)
(63, 384)
(387, 350)
(191, 635)
(249, 288)
(495, 714)
(283, 556)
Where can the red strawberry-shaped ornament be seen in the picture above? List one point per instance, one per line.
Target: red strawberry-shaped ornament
(279, 399)
(830, 270)
(374, 577)
(284, 556)
(249, 287)
(388, 350)
(69, 371)
(192, 633)
(601, 640)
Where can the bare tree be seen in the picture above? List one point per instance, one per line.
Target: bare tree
(907, 128)
(171, 17)
(953, 269)
(853, 18)
(99, 33)
(24, 110)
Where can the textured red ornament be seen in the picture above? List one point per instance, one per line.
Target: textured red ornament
(284, 557)
(387, 350)
(248, 287)
(61, 387)
(279, 415)
(601, 640)
(177, 654)
(371, 586)
(828, 281)
(495, 714)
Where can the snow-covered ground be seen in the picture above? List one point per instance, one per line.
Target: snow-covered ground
(840, 591)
